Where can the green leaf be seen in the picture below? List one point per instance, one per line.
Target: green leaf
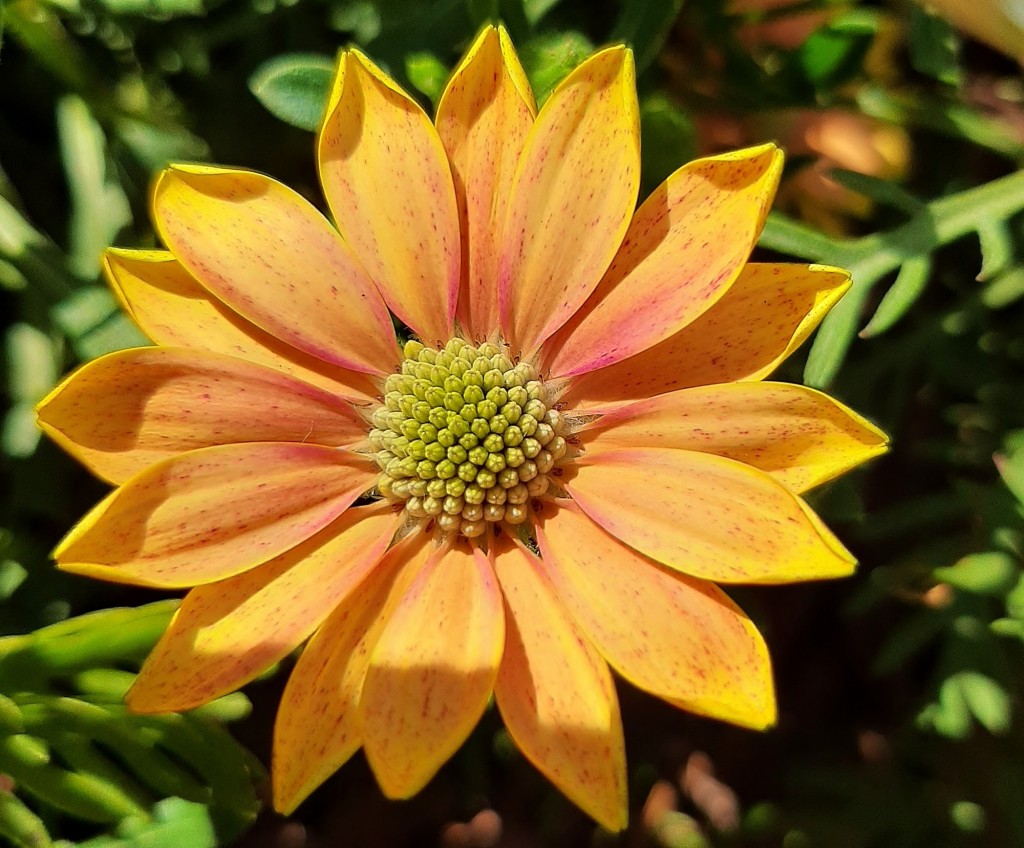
(20, 826)
(997, 248)
(670, 138)
(1005, 289)
(359, 17)
(934, 46)
(535, 10)
(549, 57)
(986, 573)
(427, 73)
(834, 53)
(1011, 469)
(645, 24)
(294, 87)
(986, 699)
(176, 823)
(902, 295)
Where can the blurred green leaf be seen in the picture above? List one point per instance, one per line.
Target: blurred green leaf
(427, 73)
(669, 137)
(176, 823)
(644, 25)
(547, 58)
(986, 699)
(1011, 469)
(934, 46)
(359, 17)
(19, 825)
(997, 248)
(294, 87)
(909, 285)
(1007, 288)
(834, 53)
(987, 573)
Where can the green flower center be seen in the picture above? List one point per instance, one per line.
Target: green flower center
(466, 436)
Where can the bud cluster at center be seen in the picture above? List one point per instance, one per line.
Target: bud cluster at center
(465, 436)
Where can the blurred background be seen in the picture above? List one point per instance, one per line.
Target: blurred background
(900, 689)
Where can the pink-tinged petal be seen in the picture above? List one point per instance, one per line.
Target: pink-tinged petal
(389, 185)
(674, 636)
(706, 516)
(273, 258)
(556, 694)
(318, 724)
(571, 198)
(800, 436)
(433, 669)
(764, 316)
(212, 513)
(173, 309)
(483, 119)
(684, 248)
(130, 409)
(226, 633)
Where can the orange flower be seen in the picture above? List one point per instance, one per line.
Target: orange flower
(546, 485)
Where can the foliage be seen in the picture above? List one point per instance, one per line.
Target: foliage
(901, 694)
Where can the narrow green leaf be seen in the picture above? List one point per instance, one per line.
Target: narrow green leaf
(902, 295)
(294, 87)
(934, 46)
(644, 25)
(20, 826)
(1005, 289)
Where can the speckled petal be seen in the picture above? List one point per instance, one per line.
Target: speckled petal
(215, 512)
(571, 199)
(556, 694)
(706, 516)
(683, 250)
(130, 409)
(318, 725)
(483, 119)
(433, 669)
(389, 186)
(764, 316)
(228, 632)
(266, 252)
(801, 437)
(674, 636)
(170, 306)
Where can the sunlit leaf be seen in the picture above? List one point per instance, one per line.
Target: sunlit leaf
(294, 87)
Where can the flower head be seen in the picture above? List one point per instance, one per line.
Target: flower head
(541, 481)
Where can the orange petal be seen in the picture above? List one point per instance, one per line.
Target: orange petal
(556, 695)
(389, 186)
(318, 724)
(674, 636)
(212, 513)
(682, 252)
(801, 437)
(172, 309)
(432, 672)
(483, 118)
(706, 516)
(266, 252)
(226, 633)
(571, 198)
(764, 316)
(130, 409)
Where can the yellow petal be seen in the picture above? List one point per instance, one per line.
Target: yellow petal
(571, 199)
(764, 316)
(226, 633)
(556, 694)
(674, 636)
(171, 308)
(682, 252)
(432, 672)
(483, 118)
(389, 186)
(318, 724)
(706, 516)
(801, 437)
(215, 512)
(270, 256)
(130, 409)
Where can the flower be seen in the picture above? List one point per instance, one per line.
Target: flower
(545, 484)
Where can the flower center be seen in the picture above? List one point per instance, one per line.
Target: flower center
(465, 436)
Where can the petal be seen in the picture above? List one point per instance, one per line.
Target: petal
(130, 409)
(318, 724)
(674, 636)
(684, 248)
(226, 633)
(267, 253)
(767, 314)
(433, 670)
(571, 198)
(171, 308)
(389, 186)
(706, 516)
(483, 119)
(556, 694)
(212, 513)
(801, 437)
